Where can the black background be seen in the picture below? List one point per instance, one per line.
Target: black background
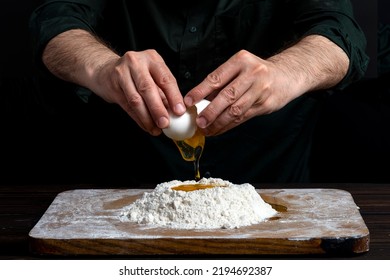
(352, 141)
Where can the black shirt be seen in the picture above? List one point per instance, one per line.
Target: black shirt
(195, 37)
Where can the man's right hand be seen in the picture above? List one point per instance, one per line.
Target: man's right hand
(139, 82)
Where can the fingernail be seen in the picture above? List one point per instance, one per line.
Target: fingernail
(163, 122)
(188, 101)
(156, 132)
(180, 108)
(202, 122)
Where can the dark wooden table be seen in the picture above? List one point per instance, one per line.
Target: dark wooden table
(21, 207)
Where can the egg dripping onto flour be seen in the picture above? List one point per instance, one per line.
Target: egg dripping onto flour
(187, 136)
(193, 187)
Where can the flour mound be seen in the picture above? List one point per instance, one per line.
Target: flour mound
(224, 206)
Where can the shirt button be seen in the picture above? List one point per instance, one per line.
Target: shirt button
(193, 29)
(187, 75)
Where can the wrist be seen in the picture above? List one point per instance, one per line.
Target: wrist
(313, 63)
(77, 56)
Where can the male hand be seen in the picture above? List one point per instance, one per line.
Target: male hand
(246, 85)
(139, 82)
(142, 84)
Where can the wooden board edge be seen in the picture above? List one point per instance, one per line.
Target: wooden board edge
(193, 246)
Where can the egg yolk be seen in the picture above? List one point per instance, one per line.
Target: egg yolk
(191, 150)
(193, 187)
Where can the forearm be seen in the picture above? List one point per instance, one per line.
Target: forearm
(313, 63)
(76, 56)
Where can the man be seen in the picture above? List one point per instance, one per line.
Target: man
(264, 65)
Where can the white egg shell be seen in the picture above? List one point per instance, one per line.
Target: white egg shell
(184, 126)
(181, 127)
(201, 105)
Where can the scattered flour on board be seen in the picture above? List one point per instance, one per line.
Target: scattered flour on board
(225, 206)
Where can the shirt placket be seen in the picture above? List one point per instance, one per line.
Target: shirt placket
(188, 54)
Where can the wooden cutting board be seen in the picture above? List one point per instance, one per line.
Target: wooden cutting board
(309, 221)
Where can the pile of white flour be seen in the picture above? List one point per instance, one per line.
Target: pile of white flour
(225, 206)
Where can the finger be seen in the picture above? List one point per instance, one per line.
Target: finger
(136, 108)
(163, 98)
(246, 107)
(142, 122)
(149, 92)
(213, 83)
(168, 85)
(228, 106)
(131, 101)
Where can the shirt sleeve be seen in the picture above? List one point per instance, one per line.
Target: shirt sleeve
(334, 19)
(55, 17)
